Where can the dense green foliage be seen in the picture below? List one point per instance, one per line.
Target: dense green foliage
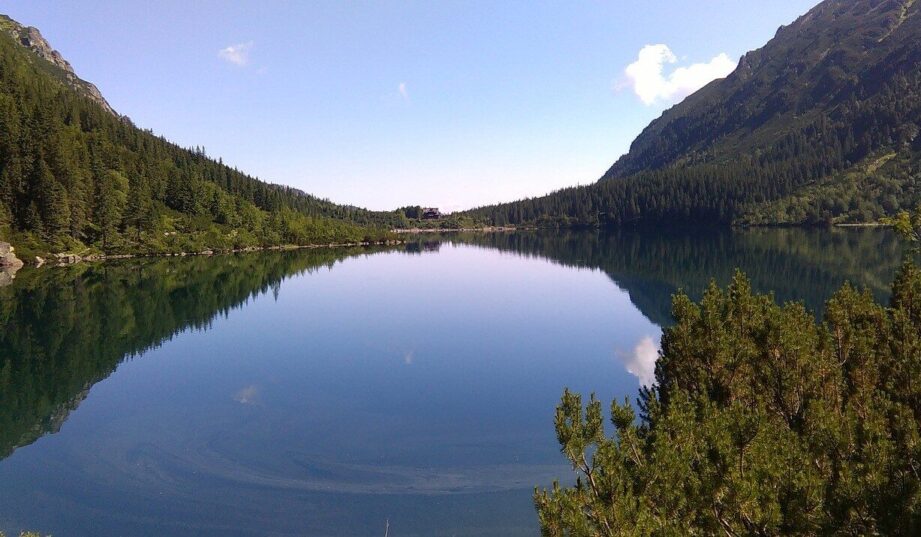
(72, 175)
(65, 329)
(762, 422)
(411, 217)
(908, 225)
(820, 125)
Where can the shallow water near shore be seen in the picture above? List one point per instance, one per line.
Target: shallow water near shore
(336, 391)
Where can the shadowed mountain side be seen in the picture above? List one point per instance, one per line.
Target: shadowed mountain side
(796, 264)
(62, 330)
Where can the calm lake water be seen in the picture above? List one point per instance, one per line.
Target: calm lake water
(327, 392)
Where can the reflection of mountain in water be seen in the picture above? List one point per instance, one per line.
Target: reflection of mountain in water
(796, 264)
(64, 329)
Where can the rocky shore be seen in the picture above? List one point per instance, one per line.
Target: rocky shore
(485, 229)
(9, 262)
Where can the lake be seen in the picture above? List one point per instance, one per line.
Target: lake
(336, 392)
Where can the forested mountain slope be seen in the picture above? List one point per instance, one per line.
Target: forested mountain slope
(819, 125)
(74, 174)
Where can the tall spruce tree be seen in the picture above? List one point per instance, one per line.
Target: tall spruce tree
(111, 198)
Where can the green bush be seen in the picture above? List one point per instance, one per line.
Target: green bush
(761, 422)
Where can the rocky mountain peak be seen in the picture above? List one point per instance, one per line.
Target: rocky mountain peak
(32, 39)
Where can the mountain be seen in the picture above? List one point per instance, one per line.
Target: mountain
(819, 125)
(77, 177)
(30, 38)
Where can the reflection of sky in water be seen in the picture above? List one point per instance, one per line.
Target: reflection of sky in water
(418, 388)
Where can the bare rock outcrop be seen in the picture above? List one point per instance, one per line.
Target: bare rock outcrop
(9, 264)
(8, 257)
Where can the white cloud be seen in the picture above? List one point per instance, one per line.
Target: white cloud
(401, 89)
(236, 54)
(641, 362)
(648, 79)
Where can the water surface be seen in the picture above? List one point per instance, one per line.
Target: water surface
(327, 392)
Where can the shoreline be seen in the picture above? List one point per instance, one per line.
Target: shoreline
(66, 258)
(487, 229)
(867, 224)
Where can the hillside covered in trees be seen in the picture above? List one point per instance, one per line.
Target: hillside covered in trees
(74, 174)
(821, 125)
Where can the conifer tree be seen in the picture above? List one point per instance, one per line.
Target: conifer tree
(111, 197)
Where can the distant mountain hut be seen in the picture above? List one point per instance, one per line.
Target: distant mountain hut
(431, 213)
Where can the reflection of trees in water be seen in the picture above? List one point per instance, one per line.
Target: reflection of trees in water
(64, 329)
(796, 264)
(419, 246)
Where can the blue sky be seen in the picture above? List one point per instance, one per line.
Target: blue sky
(386, 103)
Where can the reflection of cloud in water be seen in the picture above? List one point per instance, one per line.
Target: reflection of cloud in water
(641, 361)
(248, 395)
